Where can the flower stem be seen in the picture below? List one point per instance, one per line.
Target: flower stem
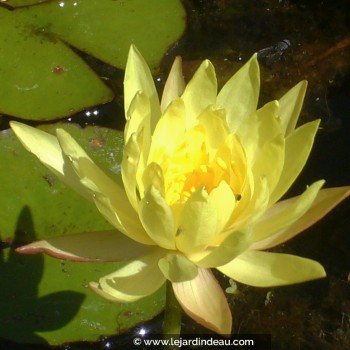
(173, 311)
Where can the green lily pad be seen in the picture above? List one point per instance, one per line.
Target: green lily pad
(41, 78)
(43, 299)
(105, 29)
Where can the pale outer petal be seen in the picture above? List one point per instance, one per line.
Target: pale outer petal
(137, 78)
(285, 213)
(200, 92)
(136, 280)
(239, 96)
(131, 157)
(325, 201)
(109, 197)
(265, 269)
(290, 106)
(88, 246)
(46, 147)
(174, 85)
(298, 145)
(203, 299)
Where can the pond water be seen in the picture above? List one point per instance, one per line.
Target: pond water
(297, 40)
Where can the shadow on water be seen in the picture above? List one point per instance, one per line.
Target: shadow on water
(23, 311)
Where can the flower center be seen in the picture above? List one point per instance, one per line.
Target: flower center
(192, 165)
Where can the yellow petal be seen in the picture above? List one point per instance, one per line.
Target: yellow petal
(177, 268)
(325, 201)
(47, 148)
(174, 85)
(203, 299)
(137, 78)
(131, 157)
(133, 281)
(153, 176)
(139, 124)
(263, 269)
(109, 197)
(224, 202)
(198, 223)
(124, 221)
(250, 208)
(285, 213)
(138, 116)
(157, 218)
(259, 128)
(233, 245)
(213, 118)
(200, 92)
(239, 96)
(169, 129)
(290, 106)
(271, 152)
(298, 145)
(88, 246)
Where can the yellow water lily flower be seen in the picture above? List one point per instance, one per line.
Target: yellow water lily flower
(202, 174)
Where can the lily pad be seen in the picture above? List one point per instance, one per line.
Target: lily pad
(41, 78)
(106, 28)
(44, 299)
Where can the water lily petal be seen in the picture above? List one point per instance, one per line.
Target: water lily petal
(224, 201)
(264, 269)
(200, 92)
(157, 218)
(88, 246)
(177, 268)
(284, 213)
(203, 299)
(174, 85)
(259, 128)
(137, 78)
(298, 145)
(325, 201)
(47, 148)
(213, 118)
(271, 152)
(131, 157)
(138, 116)
(153, 176)
(89, 173)
(290, 106)
(168, 130)
(140, 124)
(109, 197)
(249, 208)
(232, 246)
(133, 281)
(129, 225)
(239, 96)
(198, 223)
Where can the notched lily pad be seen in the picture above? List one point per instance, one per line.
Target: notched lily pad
(41, 78)
(46, 299)
(105, 29)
